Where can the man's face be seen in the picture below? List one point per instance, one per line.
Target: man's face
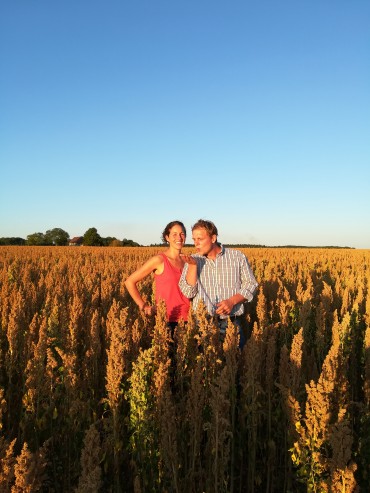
(203, 242)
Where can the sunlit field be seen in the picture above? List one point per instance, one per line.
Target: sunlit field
(91, 401)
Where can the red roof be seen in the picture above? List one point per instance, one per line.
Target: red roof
(76, 239)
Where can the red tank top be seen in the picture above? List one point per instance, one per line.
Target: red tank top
(167, 289)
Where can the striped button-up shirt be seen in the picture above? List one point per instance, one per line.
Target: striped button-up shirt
(219, 279)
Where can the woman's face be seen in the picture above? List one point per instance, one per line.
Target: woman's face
(176, 236)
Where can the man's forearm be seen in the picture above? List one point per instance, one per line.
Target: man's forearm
(191, 275)
(237, 298)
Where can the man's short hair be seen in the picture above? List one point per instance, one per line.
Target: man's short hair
(207, 225)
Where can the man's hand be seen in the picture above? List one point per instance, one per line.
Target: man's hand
(188, 259)
(224, 307)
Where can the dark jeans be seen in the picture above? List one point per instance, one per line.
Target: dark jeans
(172, 326)
(237, 321)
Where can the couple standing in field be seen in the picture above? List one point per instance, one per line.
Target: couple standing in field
(219, 277)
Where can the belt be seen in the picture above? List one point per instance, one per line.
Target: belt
(231, 317)
(217, 318)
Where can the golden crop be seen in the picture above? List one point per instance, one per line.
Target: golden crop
(91, 401)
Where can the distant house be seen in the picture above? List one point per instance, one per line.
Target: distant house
(76, 241)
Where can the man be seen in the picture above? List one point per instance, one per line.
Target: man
(219, 277)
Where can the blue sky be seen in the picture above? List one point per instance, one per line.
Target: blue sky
(124, 116)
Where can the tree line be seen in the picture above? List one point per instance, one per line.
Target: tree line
(91, 237)
(59, 237)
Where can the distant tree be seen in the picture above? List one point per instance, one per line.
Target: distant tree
(12, 241)
(36, 239)
(56, 236)
(126, 242)
(92, 238)
(108, 240)
(115, 243)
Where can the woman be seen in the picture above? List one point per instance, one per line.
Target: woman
(167, 268)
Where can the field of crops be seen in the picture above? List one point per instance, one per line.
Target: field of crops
(91, 402)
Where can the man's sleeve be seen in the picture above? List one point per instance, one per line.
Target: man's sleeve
(188, 290)
(249, 284)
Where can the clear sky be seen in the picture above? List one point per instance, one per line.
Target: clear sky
(126, 115)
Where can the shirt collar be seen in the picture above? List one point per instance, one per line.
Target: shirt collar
(222, 250)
